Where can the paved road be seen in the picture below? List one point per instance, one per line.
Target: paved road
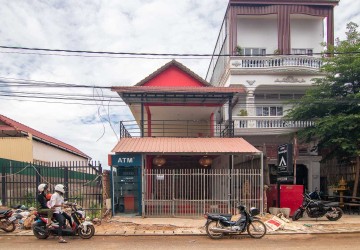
(315, 241)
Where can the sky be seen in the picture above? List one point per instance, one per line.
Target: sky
(151, 26)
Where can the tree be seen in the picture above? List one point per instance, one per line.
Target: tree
(333, 104)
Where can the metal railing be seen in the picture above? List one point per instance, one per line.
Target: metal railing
(192, 192)
(19, 182)
(175, 128)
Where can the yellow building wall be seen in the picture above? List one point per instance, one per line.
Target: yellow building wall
(16, 148)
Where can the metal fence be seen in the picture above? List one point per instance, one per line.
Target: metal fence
(83, 182)
(192, 192)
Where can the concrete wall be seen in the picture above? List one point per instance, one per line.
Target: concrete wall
(307, 32)
(48, 153)
(258, 32)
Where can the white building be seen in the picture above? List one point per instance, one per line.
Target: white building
(274, 49)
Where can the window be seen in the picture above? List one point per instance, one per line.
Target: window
(269, 111)
(308, 52)
(254, 52)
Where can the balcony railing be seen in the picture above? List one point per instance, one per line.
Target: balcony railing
(175, 128)
(275, 62)
(220, 63)
(266, 122)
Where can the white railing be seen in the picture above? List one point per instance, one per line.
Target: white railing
(275, 62)
(267, 122)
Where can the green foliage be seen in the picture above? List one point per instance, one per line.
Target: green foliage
(94, 210)
(243, 112)
(334, 101)
(238, 50)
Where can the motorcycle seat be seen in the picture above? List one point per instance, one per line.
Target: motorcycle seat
(332, 204)
(227, 216)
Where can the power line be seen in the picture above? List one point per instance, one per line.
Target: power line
(150, 54)
(72, 103)
(104, 56)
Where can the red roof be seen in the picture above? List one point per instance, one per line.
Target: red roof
(40, 136)
(165, 145)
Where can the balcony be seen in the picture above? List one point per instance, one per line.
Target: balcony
(174, 128)
(258, 64)
(254, 125)
(266, 62)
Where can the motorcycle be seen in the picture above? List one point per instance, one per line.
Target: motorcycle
(316, 208)
(79, 226)
(7, 220)
(218, 225)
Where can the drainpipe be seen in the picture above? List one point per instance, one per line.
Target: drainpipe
(142, 117)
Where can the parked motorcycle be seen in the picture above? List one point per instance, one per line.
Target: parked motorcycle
(316, 208)
(79, 226)
(218, 225)
(7, 220)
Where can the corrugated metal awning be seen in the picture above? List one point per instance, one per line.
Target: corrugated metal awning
(165, 145)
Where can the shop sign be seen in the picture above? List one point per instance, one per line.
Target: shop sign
(126, 160)
(285, 159)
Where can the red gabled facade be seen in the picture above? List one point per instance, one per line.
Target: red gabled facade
(173, 74)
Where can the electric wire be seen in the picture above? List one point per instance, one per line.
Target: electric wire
(150, 54)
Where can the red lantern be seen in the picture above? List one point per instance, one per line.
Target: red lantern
(159, 161)
(205, 161)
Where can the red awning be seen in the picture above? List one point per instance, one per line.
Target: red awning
(165, 145)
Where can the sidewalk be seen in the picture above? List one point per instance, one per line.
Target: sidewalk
(137, 226)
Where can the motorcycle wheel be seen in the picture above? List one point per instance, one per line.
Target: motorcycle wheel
(339, 213)
(88, 233)
(40, 234)
(256, 229)
(297, 215)
(8, 226)
(209, 226)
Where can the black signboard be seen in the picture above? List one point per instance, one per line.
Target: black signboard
(285, 159)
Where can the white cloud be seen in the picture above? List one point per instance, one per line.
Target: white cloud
(160, 26)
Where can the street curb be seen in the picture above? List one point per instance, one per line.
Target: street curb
(270, 234)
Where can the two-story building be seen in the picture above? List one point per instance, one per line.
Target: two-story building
(173, 159)
(272, 49)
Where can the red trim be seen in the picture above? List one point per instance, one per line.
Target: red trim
(109, 160)
(148, 112)
(212, 125)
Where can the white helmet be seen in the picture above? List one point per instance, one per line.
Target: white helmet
(42, 187)
(60, 188)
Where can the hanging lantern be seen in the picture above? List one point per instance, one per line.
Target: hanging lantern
(205, 161)
(159, 161)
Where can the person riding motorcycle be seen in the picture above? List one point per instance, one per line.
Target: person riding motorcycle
(42, 202)
(57, 203)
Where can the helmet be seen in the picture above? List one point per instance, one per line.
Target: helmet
(60, 188)
(42, 187)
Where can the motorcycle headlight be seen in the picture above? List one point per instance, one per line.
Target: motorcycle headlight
(87, 218)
